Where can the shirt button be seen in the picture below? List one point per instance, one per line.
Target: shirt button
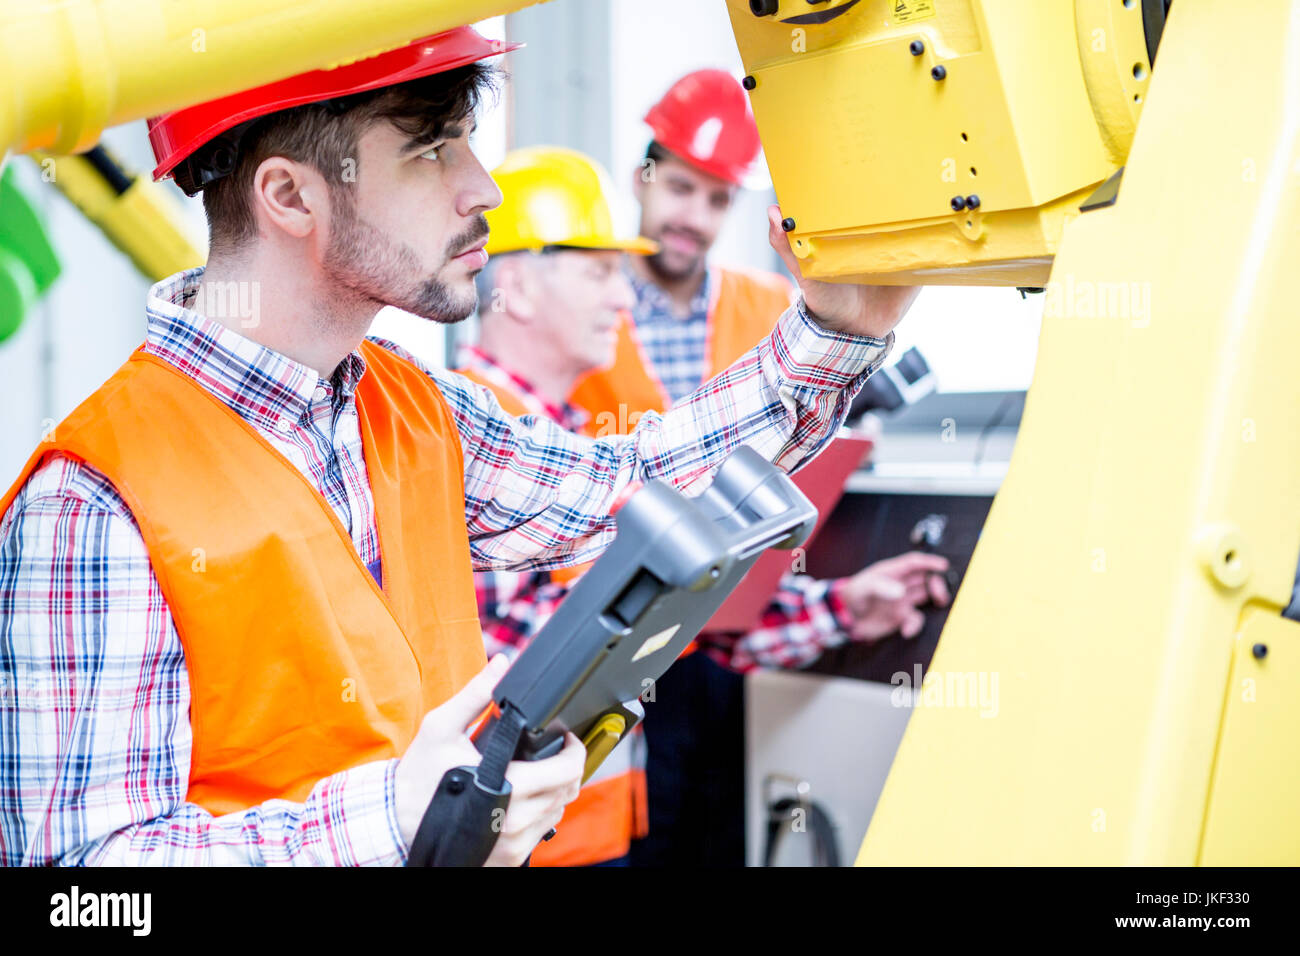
(283, 424)
(319, 394)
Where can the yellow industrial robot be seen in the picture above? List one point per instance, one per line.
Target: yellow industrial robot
(1129, 583)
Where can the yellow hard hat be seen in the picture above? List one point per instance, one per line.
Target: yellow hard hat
(554, 197)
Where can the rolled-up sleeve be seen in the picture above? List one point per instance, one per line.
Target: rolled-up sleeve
(537, 496)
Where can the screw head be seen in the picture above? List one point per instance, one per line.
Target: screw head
(958, 203)
(916, 48)
(787, 224)
(939, 72)
(972, 201)
(223, 160)
(455, 785)
(1260, 651)
(749, 82)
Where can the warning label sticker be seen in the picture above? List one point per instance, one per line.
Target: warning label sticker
(909, 11)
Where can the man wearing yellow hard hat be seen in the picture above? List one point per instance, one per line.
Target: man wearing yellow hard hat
(553, 289)
(239, 576)
(550, 303)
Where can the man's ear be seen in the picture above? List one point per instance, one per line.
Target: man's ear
(289, 196)
(638, 180)
(517, 282)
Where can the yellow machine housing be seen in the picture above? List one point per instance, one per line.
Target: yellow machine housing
(73, 68)
(881, 118)
(1128, 585)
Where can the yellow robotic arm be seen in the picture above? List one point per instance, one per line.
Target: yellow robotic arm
(130, 209)
(73, 68)
(941, 141)
(1128, 586)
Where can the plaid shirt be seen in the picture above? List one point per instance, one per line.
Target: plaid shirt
(512, 605)
(805, 616)
(676, 345)
(94, 693)
(568, 416)
(802, 619)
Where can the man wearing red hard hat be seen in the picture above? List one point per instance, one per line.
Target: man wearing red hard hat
(691, 319)
(235, 583)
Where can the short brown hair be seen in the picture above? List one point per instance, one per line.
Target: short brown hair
(323, 135)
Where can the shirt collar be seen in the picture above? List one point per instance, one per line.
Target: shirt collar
(569, 416)
(260, 384)
(652, 302)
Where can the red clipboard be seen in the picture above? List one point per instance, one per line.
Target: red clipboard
(822, 480)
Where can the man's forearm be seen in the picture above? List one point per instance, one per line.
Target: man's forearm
(348, 819)
(539, 497)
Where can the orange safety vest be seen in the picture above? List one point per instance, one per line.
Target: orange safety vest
(744, 305)
(299, 665)
(611, 808)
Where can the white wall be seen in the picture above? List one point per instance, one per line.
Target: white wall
(975, 339)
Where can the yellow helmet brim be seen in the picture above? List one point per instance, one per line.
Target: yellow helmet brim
(639, 245)
(555, 196)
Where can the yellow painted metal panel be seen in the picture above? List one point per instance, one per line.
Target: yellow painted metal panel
(1154, 492)
(868, 150)
(1252, 818)
(70, 69)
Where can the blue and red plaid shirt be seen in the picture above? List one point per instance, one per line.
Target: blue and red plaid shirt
(94, 692)
(676, 344)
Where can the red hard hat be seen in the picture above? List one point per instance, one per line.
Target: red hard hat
(705, 119)
(177, 135)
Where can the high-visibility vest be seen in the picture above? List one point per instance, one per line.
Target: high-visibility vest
(611, 808)
(743, 307)
(299, 665)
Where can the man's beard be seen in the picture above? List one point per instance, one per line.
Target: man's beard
(660, 266)
(361, 258)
